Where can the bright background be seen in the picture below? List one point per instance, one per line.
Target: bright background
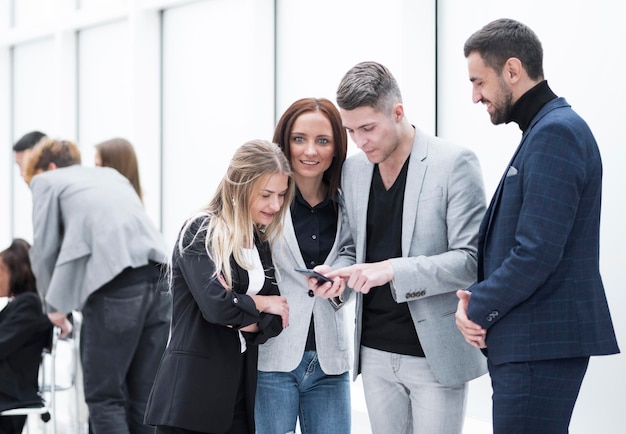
(188, 81)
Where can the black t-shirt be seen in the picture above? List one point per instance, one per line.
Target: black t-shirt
(387, 325)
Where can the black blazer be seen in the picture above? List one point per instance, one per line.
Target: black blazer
(200, 372)
(24, 332)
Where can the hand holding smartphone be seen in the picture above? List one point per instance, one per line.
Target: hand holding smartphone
(321, 279)
(335, 302)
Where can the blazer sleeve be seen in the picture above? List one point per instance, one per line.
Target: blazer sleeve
(21, 319)
(47, 231)
(269, 325)
(462, 208)
(217, 304)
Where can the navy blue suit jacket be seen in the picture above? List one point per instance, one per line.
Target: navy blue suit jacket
(539, 292)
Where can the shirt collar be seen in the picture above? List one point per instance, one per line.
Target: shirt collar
(303, 202)
(529, 104)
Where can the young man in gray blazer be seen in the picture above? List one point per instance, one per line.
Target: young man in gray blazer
(414, 204)
(96, 250)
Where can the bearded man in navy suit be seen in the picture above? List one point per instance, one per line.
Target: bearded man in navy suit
(538, 308)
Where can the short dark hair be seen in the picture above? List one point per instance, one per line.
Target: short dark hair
(504, 38)
(368, 84)
(28, 141)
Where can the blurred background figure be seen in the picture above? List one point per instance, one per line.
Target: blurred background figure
(119, 154)
(22, 147)
(24, 332)
(96, 250)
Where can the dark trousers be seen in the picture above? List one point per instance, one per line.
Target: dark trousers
(12, 424)
(241, 416)
(124, 333)
(535, 397)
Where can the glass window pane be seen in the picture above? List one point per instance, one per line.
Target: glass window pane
(33, 90)
(217, 94)
(32, 12)
(104, 74)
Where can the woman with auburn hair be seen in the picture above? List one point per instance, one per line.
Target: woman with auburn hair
(24, 332)
(303, 372)
(226, 300)
(120, 155)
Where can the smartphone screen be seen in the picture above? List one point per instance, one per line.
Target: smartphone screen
(310, 273)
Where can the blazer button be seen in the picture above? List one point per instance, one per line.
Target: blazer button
(311, 293)
(492, 315)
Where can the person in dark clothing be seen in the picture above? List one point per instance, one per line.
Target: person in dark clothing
(24, 332)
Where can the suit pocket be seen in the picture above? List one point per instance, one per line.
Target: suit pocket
(433, 193)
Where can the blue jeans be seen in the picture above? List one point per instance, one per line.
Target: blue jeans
(124, 333)
(403, 396)
(322, 402)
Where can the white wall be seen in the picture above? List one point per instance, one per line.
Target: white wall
(188, 81)
(218, 68)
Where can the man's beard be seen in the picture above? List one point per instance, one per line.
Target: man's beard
(502, 110)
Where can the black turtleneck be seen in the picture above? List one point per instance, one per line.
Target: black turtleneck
(529, 104)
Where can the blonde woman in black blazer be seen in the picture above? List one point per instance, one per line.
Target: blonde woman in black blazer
(226, 300)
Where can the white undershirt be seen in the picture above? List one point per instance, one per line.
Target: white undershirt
(4, 301)
(256, 275)
(256, 279)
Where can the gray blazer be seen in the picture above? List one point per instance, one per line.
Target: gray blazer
(444, 203)
(89, 225)
(284, 352)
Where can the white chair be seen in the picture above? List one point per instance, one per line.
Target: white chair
(47, 377)
(67, 376)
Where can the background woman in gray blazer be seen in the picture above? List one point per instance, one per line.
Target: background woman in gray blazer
(304, 370)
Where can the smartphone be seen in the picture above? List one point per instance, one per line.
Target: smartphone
(321, 279)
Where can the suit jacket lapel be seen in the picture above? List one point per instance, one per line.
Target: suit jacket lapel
(414, 180)
(491, 211)
(363, 183)
(289, 235)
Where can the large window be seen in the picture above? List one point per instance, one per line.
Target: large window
(34, 78)
(218, 92)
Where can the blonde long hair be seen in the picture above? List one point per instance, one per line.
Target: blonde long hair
(229, 225)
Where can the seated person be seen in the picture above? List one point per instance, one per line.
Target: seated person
(24, 332)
